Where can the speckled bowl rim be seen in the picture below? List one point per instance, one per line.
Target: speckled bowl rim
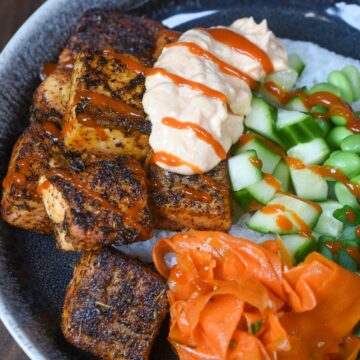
(30, 26)
(21, 36)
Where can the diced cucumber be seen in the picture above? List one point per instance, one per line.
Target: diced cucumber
(325, 125)
(308, 212)
(284, 78)
(337, 135)
(296, 63)
(262, 191)
(261, 119)
(243, 170)
(345, 196)
(312, 153)
(236, 212)
(269, 158)
(327, 224)
(309, 185)
(268, 222)
(352, 74)
(340, 80)
(245, 200)
(282, 173)
(296, 127)
(296, 104)
(298, 247)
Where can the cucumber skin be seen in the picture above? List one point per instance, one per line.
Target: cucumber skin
(235, 171)
(344, 196)
(302, 132)
(282, 173)
(326, 226)
(272, 113)
(258, 221)
(261, 229)
(317, 190)
(296, 63)
(244, 199)
(314, 152)
(308, 245)
(269, 158)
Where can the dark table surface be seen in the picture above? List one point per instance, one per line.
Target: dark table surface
(12, 15)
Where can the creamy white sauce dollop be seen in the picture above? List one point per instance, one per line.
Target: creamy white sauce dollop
(164, 98)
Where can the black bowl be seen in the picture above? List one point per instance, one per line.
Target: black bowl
(34, 274)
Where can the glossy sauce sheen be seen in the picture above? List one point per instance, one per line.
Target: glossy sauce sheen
(131, 62)
(357, 232)
(350, 215)
(336, 246)
(180, 81)
(86, 120)
(172, 35)
(223, 66)
(323, 171)
(129, 217)
(101, 101)
(200, 132)
(272, 181)
(52, 130)
(282, 220)
(332, 102)
(196, 195)
(242, 45)
(47, 69)
(172, 160)
(106, 101)
(22, 169)
(256, 162)
(214, 185)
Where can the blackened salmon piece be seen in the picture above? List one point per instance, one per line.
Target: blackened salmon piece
(189, 201)
(51, 97)
(114, 306)
(102, 203)
(98, 29)
(122, 32)
(37, 150)
(106, 117)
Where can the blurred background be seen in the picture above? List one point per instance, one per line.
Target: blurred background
(13, 13)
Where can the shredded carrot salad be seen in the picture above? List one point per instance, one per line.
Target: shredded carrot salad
(233, 299)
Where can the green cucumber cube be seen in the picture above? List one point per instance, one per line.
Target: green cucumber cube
(243, 170)
(309, 185)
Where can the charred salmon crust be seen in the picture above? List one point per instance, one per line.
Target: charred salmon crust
(114, 306)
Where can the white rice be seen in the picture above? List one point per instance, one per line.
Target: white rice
(319, 63)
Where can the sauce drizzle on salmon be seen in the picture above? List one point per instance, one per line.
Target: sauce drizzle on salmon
(128, 217)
